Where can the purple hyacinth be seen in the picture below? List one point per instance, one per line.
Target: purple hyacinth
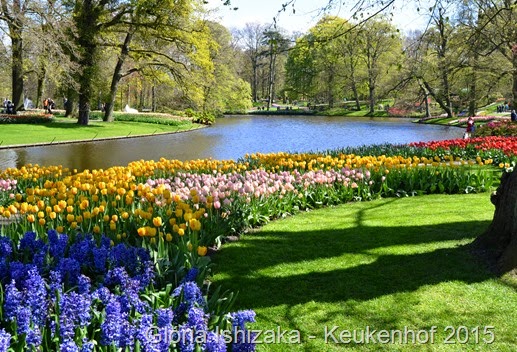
(186, 339)
(6, 247)
(5, 340)
(12, 301)
(87, 346)
(111, 326)
(147, 334)
(23, 320)
(57, 244)
(100, 258)
(197, 319)
(18, 271)
(36, 296)
(215, 343)
(164, 317)
(68, 346)
(82, 250)
(191, 275)
(83, 285)
(34, 337)
(191, 294)
(103, 294)
(70, 270)
(55, 285)
(240, 318)
(243, 338)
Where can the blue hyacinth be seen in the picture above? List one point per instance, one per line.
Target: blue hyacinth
(215, 343)
(6, 247)
(164, 317)
(148, 335)
(243, 341)
(240, 318)
(58, 244)
(192, 295)
(82, 250)
(33, 337)
(23, 320)
(5, 340)
(12, 301)
(191, 275)
(70, 270)
(69, 346)
(111, 326)
(36, 296)
(197, 319)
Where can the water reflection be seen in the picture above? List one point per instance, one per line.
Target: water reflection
(231, 138)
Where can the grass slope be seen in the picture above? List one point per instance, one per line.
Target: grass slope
(68, 130)
(391, 264)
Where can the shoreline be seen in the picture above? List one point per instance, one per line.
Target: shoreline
(46, 144)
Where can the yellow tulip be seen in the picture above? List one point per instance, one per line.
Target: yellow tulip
(201, 251)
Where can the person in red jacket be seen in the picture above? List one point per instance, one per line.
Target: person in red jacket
(471, 127)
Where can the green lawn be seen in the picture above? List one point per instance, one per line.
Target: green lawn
(64, 129)
(391, 264)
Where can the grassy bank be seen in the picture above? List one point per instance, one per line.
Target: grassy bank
(388, 265)
(64, 129)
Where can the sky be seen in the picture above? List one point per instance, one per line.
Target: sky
(307, 12)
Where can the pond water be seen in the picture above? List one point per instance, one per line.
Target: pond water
(231, 138)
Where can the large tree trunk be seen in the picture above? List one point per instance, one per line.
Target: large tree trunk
(499, 241)
(42, 73)
(17, 71)
(117, 76)
(86, 19)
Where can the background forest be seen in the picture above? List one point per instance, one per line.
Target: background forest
(169, 55)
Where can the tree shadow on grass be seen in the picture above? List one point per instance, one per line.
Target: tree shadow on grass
(373, 262)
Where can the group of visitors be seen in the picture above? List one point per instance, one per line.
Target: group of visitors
(8, 107)
(48, 105)
(503, 107)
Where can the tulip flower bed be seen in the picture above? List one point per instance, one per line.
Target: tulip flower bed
(25, 118)
(162, 217)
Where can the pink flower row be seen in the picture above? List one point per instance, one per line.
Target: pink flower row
(256, 183)
(7, 185)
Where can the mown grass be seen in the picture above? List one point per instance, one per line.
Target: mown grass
(65, 129)
(387, 265)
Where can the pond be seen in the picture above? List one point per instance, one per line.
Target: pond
(231, 138)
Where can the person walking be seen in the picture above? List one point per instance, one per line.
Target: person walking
(471, 127)
(513, 116)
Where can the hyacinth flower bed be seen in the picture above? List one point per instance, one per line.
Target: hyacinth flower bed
(130, 244)
(89, 294)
